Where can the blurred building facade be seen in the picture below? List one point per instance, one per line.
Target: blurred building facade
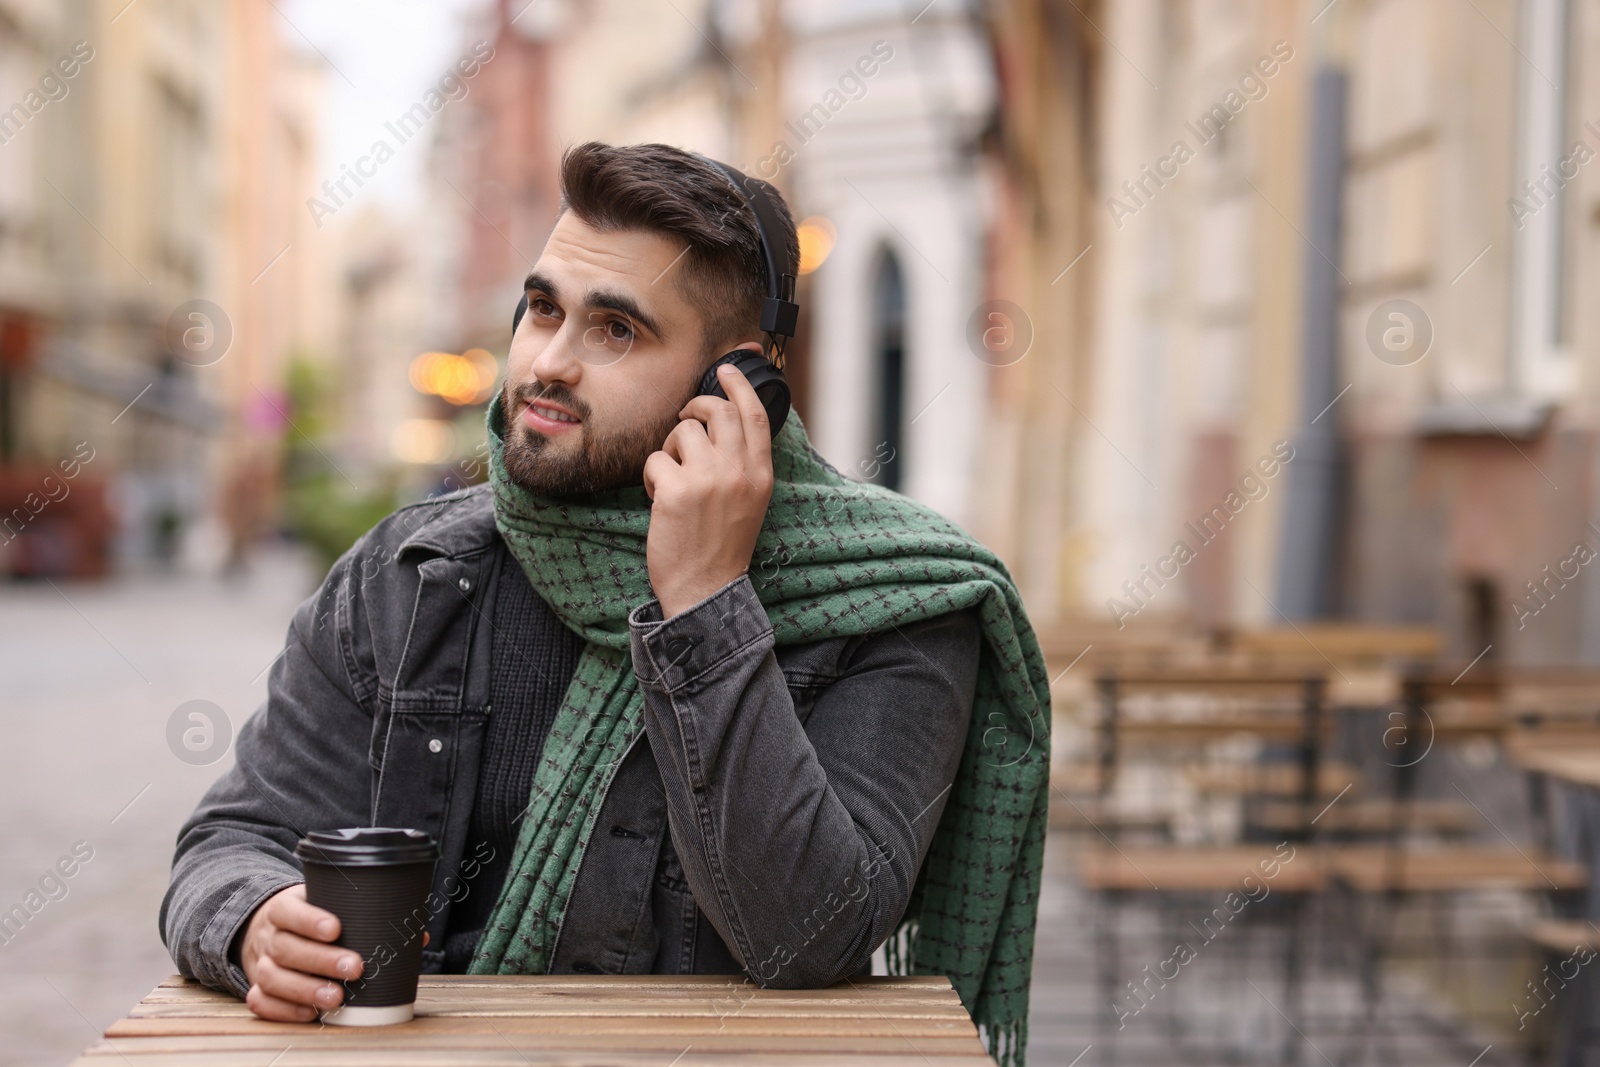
(866, 116)
(1359, 232)
(153, 272)
(1189, 368)
(1471, 467)
(1115, 284)
(1038, 155)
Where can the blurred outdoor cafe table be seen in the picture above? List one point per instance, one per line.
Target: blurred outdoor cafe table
(1576, 765)
(571, 1020)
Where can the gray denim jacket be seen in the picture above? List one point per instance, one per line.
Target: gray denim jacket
(800, 785)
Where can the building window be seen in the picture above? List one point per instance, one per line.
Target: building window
(1542, 364)
(889, 365)
(1481, 625)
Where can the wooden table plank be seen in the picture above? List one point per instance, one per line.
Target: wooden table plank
(293, 1056)
(1271, 779)
(1368, 816)
(1580, 766)
(1452, 868)
(689, 1026)
(1175, 869)
(575, 1021)
(332, 1039)
(1562, 936)
(1366, 868)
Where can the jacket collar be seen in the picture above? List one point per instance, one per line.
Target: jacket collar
(455, 524)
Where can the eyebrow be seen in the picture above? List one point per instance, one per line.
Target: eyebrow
(608, 299)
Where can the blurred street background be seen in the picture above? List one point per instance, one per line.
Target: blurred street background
(1250, 333)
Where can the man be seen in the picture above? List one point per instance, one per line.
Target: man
(741, 773)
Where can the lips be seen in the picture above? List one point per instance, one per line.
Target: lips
(548, 418)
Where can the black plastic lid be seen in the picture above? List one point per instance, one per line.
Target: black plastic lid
(367, 846)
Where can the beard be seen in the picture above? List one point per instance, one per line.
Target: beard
(580, 461)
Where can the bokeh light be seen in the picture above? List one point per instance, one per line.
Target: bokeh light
(461, 380)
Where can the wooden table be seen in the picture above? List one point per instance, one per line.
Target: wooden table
(1580, 766)
(1562, 936)
(1199, 868)
(1364, 868)
(575, 1021)
(1452, 868)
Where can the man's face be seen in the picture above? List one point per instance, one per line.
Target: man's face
(607, 354)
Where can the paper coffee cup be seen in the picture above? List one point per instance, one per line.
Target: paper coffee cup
(376, 880)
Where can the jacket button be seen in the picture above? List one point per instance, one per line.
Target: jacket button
(678, 649)
(435, 745)
(464, 584)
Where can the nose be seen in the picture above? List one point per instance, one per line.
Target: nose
(556, 362)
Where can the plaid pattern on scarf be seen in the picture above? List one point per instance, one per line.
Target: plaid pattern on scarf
(834, 558)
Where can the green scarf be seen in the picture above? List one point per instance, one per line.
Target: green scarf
(835, 558)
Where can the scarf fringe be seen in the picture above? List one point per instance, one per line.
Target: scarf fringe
(1007, 1044)
(900, 950)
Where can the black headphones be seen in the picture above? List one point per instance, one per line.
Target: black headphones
(779, 313)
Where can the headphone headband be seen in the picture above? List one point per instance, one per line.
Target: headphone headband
(779, 313)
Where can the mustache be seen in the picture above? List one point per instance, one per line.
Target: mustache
(554, 392)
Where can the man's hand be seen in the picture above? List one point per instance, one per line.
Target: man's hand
(709, 486)
(287, 955)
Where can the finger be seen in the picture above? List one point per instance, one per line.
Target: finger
(276, 1009)
(688, 441)
(658, 467)
(757, 431)
(724, 425)
(289, 949)
(671, 448)
(294, 912)
(708, 457)
(296, 988)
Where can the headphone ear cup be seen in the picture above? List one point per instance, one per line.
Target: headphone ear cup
(709, 386)
(768, 381)
(774, 395)
(522, 309)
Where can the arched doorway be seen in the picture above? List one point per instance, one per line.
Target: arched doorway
(889, 370)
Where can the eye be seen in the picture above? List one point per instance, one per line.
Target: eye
(542, 307)
(618, 330)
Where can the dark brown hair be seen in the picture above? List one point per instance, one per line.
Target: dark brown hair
(665, 190)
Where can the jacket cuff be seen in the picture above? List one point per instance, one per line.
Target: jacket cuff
(669, 654)
(216, 941)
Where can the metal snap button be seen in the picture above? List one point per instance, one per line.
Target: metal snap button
(435, 745)
(464, 584)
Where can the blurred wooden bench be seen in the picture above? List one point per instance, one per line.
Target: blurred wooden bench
(1344, 643)
(1093, 813)
(1221, 701)
(1364, 868)
(1181, 868)
(1576, 765)
(1368, 817)
(1273, 779)
(1453, 868)
(1560, 936)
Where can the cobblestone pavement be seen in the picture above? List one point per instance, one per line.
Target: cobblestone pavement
(91, 674)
